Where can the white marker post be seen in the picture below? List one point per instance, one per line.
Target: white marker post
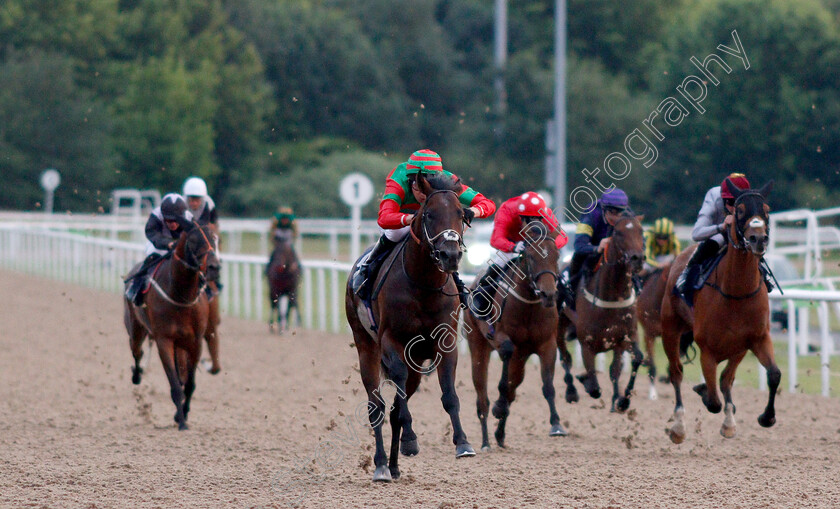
(356, 190)
(49, 181)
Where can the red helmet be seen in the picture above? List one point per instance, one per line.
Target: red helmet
(530, 204)
(740, 182)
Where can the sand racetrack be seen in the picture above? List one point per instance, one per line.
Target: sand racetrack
(74, 431)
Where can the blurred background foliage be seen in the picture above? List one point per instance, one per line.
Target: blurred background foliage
(273, 101)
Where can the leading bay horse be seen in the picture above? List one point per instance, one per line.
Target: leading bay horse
(283, 272)
(606, 311)
(175, 315)
(413, 318)
(524, 314)
(731, 315)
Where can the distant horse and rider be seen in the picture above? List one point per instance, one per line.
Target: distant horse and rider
(405, 313)
(283, 271)
(175, 311)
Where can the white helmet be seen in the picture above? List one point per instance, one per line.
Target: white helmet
(195, 186)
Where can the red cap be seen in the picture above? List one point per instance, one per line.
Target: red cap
(740, 182)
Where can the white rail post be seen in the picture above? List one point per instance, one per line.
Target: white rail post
(791, 345)
(322, 299)
(335, 299)
(825, 349)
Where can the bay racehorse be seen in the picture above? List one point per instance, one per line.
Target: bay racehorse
(283, 272)
(731, 315)
(412, 319)
(524, 314)
(175, 315)
(648, 308)
(606, 310)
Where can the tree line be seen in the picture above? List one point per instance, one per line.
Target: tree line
(273, 101)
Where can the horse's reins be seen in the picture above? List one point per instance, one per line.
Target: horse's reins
(200, 267)
(610, 304)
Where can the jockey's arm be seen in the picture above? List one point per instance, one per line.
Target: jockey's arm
(705, 227)
(154, 232)
(390, 217)
(481, 205)
(501, 224)
(583, 239)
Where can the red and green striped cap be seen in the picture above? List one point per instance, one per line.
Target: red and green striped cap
(424, 161)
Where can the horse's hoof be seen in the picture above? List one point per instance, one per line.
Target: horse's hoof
(485, 448)
(727, 431)
(500, 411)
(766, 422)
(409, 448)
(395, 473)
(215, 371)
(135, 375)
(464, 450)
(622, 404)
(595, 393)
(676, 437)
(572, 396)
(182, 426)
(558, 430)
(382, 474)
(500, 439)
(700, 389)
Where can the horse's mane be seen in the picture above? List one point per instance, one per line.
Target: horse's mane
(442, 182)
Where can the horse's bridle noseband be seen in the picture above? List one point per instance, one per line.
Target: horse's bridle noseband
(741, 243)
(449, 235)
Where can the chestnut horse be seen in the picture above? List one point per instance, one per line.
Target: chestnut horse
(175, 315)
(731, 315)
(606, 310)
(524, 313)
(413, 318)
(649, 306)
(283, 273)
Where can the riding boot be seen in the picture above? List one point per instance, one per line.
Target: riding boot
(365, 271)
(638, 284)
(565, 292)
(687, 279)
(134, 291)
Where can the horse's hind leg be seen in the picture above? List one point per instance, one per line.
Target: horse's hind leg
(189, 385)
(615, 374)
(727, 378)
(136, 335)
(480, 355)
(516, 373)
(623, 402)
(369, 363)
(212, 336)
(708, 389)
(650, 348)
(167, 357)
(398, 373)
(671, 344)
(764, 352)
(548, 358)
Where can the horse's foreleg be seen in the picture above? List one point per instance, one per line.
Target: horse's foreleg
(398, 373)
(589, 379)
(136, 336)
(369, 362)
(764, 352)
(708, 390)
(615, 374)
(566, 359)
(671, 344)
(212, 336)
(727, 378)
(650, 349)
(623, 402)
(449, 398)
(272, 313)
(548, 358)
(408, 439)
(166, 350)
(480, 355)
(189, 386)
(516, 373)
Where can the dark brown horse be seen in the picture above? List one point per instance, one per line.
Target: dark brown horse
(606, 310)
(649, 306)
(524, 314)
(175, 314)
(731, 316)
(283, 273)
(413, 319)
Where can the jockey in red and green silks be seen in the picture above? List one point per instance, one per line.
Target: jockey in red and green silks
(399, 205)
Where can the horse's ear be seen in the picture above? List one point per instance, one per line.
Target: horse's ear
(640, 218)
(765, 189)
(423, 184)
(735, 190)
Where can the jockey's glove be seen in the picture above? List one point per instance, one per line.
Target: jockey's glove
(469, 215)
(519, 247)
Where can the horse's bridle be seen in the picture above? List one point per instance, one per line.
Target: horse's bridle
(449, 235)
(740, 242)
(533, 278)
(200, 266)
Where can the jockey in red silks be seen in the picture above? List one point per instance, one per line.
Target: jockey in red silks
(510, 221)
(401, 202)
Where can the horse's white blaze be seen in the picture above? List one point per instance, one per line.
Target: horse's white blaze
(757, 223)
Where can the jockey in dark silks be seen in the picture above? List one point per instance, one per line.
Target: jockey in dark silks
(714, 218)
(397, 209)
(163, 228)
(593, 234)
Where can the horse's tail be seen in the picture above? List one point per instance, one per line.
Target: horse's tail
(686, 342)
